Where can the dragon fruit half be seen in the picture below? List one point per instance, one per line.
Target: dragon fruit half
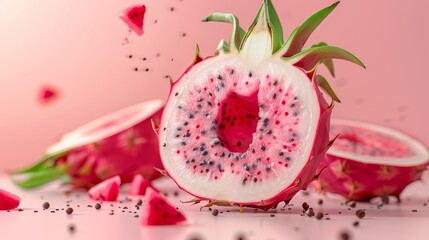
(121, 143)
(249, 125)
(368, 161)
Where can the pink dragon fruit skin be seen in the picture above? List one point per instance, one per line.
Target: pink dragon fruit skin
(103, 149)
(139, 185)
(358, 179)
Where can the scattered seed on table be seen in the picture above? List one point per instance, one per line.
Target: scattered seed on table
(52, 211)
(97, 206)
(320, 202)
(414, 210)
(36, 211)
(360, 213)
(319, 215)
(305, 206)
(272, 215)
(344, 235)
(72, 228)
(111, 213)
(353, 204)
(136, 216)
(139, 202)
(356, 223)
(310, 212)
(46, 205)
(215, 212)
(241, 236)
(69, 210)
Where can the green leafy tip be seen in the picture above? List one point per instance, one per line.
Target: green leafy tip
(197, 57)
(329, 63)
(300, 35)
(237, 31)
(324, 84)
(308, 59)
(222, 47)
(41, 177)
(271, 19)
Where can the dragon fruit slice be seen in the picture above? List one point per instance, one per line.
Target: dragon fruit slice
(8, 200)
(122, 143)
(158, 211)
(107, 190)
(134, 18)
(47, 94)
(139, 185)
(249, 125)
(368, 160)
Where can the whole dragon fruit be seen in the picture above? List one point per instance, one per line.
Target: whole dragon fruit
(249, 125)
(121, 143)
(368, 161)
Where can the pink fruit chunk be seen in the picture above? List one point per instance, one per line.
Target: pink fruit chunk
(249, 126)
(158, 211)
(47, 94)
(139, 185)
(8, 200)
(368, 161)
(121, 143)
(108, 190)
(134, 17)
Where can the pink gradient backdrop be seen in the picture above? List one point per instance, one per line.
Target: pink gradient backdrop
(77, 47)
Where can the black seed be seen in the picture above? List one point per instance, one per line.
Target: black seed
(250, 74)
(219, 167)
(183, 143)
(205, 153)
(261, 106)
(360, 213)
(320, 202)
(246, 167)
(295, 114)
(287, 158)
(213, 128)
(356, 223)
(254, 166)
(211, 162)
(164, 145)
(353, 204)
(259, 159)
(275, 83)
(268, 168)
(295, 98)
(274, 95)
(269, 132)
(191, 116)
(98, 206)
(202, 163)
(292, 139)
(255, 179)
(344, 235)
(187, 135)
(69, 211)
(305, 206)
(199, 106)
(46, 205)
(219, 77)
(292, 105)
(192, 160)
(272, 215)
(177, 136)
(180, 107)
(319, 215)
(217, 142)
(414, 210)
(136, 69)
(263, 148)
(215, 212)
(72, 228)
(179, 129)
(175, 94)
(139, 202)
(147, 69)
(253, 151)
(222, 154)
(281, 154)
(232, 71)
(207, 170)
(244, 181)
(185, 124)
(210, 103)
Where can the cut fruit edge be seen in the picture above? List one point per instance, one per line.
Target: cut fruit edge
(47, 168)
(421, 156)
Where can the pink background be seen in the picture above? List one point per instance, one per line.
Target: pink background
(77, 46)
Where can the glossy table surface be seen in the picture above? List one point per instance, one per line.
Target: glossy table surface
(407, 220)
